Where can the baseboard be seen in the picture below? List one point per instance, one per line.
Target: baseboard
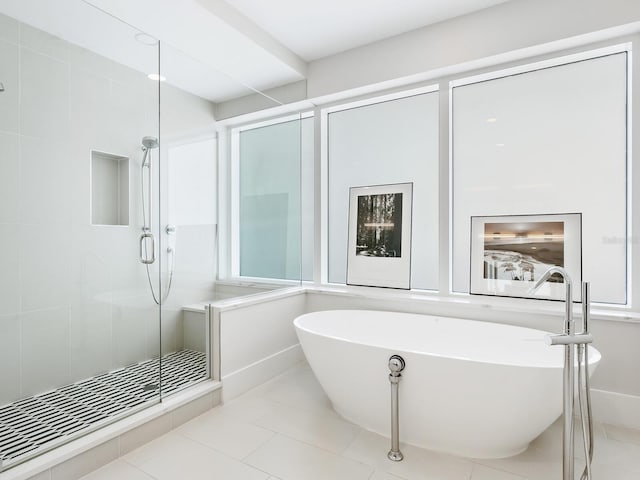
(616, 408)
(243, 380)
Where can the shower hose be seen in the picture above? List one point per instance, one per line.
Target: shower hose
(584, 402)
(158, 299)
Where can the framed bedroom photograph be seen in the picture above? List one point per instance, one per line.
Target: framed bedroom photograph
(510, 253)
(379, 250)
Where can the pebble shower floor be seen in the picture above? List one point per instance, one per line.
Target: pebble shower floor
(37, 423)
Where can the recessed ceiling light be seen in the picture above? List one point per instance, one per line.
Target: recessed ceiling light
(499, 144)
(492, 120)
(146, 39)
(156, 77)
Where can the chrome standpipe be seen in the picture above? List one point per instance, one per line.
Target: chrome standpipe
(568, 373)
(569, 339)
(396, 365)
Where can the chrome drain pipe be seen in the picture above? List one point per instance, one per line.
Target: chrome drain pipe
(396, 365)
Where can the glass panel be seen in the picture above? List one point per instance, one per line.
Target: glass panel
(274, 162)
(547, 141)
(103, 217)
(390, 142)
(76, 318)
(190, 94)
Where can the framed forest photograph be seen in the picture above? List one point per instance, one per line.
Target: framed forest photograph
(379, 251)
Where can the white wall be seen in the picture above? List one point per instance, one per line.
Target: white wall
(395, 141)
(74, 298)
(556, 144)
(506, 31)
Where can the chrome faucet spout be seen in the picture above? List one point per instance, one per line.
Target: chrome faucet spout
(546, 275)
(568, 324)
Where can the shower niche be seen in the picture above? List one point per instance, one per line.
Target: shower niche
(109, 189)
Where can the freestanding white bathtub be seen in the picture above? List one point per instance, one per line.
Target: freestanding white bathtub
(469, 388)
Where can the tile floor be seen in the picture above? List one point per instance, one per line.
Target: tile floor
(286, 429)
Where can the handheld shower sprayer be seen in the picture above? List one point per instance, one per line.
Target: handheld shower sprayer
(150, 143)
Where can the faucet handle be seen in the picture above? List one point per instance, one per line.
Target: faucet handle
(564, 339)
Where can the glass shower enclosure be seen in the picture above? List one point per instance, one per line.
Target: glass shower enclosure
(83, 272)
(109, 221)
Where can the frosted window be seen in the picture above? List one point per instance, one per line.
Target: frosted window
(389, 142)
(276, 209)
(547, 141)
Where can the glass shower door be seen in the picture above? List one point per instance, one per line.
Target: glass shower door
(79, 330)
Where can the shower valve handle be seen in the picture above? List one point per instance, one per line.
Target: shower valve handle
(143, 258)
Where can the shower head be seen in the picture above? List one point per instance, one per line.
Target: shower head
(149, 142)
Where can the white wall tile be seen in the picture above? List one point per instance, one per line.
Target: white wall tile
(9, 358)
(128, 275)
(81, 58)
(9, 29)
(44, 350)
(43, 43)
(90, 343)
(89, 107)
(9, 75)
(126, 121)
(9, 176)
(194, 329)
(9, 269)
(90, 265)
(44, 182)
(131, 319)
(44, 96)
(171, 330)
(45, 266)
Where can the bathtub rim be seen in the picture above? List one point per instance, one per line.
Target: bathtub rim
(595, 357)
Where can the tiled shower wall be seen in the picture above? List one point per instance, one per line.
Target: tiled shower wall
(74, 299)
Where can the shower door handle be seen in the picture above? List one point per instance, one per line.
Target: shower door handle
(143, 258)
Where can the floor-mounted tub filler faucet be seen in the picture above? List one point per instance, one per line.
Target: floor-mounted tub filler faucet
(570, 340)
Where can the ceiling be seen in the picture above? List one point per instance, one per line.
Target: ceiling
(223, 49)
(316, 29)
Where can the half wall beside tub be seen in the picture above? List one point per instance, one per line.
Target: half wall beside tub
(254, 338)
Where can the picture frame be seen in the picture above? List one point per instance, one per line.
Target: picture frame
(510, 252)
(379, 245)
